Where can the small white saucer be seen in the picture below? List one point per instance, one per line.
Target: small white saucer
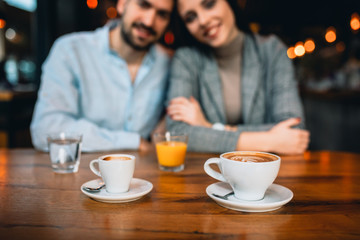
(275, 197)
(138, 188)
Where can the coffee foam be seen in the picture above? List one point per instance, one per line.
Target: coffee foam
(255, 158)
(109, 158)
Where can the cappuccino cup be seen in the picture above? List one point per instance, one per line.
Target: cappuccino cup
(116, 170)
(249, 173)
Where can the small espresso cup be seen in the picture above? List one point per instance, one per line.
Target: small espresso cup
(116, 170)
(249, 173)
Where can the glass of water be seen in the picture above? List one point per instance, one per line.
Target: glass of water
(65, 151)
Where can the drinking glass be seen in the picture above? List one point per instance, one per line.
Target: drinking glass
(171, 150)
(64, 151)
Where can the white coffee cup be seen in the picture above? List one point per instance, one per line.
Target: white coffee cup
(116, 170)
(248, 176)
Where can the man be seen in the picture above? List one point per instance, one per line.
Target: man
(109, 84)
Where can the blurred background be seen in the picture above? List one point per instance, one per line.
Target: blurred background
(323, 39)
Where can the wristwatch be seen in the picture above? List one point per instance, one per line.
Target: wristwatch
(218, 126)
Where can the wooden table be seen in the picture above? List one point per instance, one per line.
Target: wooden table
(37, 203)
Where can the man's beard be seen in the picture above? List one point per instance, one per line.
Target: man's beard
(128, 37)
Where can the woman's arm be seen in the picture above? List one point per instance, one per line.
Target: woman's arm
(186, 115)
(281, 138)
(185, 70)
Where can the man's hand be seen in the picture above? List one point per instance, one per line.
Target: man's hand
(145, 146)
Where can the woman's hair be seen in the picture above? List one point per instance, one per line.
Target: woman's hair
(184, 38)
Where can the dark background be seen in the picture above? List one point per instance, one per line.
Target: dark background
(332, 105)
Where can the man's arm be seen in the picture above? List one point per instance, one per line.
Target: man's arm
(58, 109)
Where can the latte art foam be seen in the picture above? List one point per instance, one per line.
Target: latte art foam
(256, 158)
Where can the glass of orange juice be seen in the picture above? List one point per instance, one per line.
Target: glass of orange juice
(171, 150)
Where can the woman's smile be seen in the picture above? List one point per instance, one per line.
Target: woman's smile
(212, 32)
(211, 22)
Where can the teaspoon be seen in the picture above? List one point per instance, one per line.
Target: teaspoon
(96, 189)
(225, 197)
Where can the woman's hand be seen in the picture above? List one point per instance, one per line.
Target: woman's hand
(281, 139)
(287, 140)
(188, 111)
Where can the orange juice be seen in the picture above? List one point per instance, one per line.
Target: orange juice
(171, 153)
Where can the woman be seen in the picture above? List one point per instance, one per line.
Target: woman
(233, 90)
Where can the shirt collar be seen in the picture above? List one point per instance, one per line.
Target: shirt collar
(104, 34)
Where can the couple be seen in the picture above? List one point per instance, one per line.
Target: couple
(228, 89)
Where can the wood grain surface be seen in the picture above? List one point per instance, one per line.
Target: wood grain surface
(36, 203)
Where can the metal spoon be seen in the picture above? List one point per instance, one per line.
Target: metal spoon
(92, 190)
(225, 197)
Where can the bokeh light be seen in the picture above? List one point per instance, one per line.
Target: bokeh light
(355, 22)
(254, 27)
(10, 34)
(330, 35)
(309, 45)
(291, 53)
(340, 47)
(169, 38)
(2, 23)
(111, 12)
(299, 49)
(92, 4)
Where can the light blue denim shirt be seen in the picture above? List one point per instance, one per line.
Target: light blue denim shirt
(86, 88)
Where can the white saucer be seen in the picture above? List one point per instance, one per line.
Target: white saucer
(275, 197)
(138, 188)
